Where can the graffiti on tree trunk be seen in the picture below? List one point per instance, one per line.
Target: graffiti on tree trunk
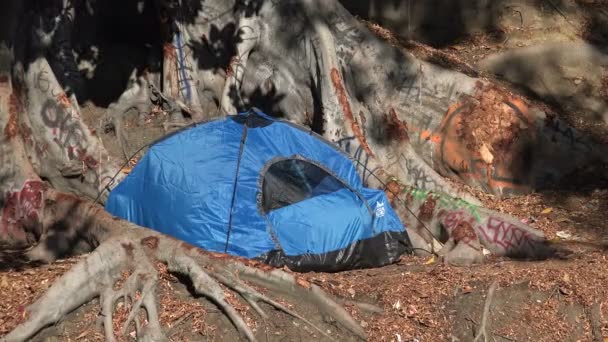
(358, 154)
(179, 70)
(459, 226)
(493, 151)
(462, 221)
(507, 236)
(560, 133)
(417, 174)
(21, 210)
(498, 235)
(68, 131)
(408, 169)
(65, 127)
(444, 201)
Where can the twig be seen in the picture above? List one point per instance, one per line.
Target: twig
(560, 12)
(473, 323)
(174, 104)
(178, 322)
(469, 318)
(555, 290)
(506, 337)
(521, 17)
(367, 307)
(486, 313)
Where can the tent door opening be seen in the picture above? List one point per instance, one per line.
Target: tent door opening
(291, 186)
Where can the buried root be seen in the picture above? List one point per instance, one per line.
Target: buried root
(482, 333)
(134, 253)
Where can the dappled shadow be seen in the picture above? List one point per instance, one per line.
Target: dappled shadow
(215, 51)
(565, 86)
(566, 79)
(268, 100)
(11, 15)
(596, 29)
(66, 236)
(580, 217)
(441, 23)
(435, 22)
(15, 259)
(185, 11)
(114, 44)
(595, 26)
(109, 39)
(249, 8)
(293, 24)
(70, 235)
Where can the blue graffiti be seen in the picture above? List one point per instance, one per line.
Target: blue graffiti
(182, 67)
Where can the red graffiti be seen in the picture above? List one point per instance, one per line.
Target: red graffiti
(506, 235)
(88, 160)
(460, 226)
(21, 210)
(453, 218)
(395, 128)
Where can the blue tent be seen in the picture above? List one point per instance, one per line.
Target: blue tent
(253, 186)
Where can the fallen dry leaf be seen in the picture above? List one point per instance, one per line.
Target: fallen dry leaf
(430, 261)
(547, 211)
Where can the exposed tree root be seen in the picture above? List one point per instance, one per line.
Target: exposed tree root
(595, 317)
(134, 250)
(281, 281)
(138, 97)
(172, 105)
(482, 333)
(253, 297)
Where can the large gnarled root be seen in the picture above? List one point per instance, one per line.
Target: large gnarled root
(464, 229)
(82, 283)
(285, 282)
(140, 290)
(132, 249)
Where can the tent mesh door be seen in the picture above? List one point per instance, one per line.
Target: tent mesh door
(290, 181)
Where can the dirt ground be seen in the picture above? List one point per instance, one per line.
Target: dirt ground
(421, 300)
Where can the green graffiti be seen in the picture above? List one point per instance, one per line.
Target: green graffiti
(444, 201)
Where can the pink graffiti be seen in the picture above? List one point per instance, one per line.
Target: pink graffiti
(21, 210)
(506, 235)
(460, 226)
(453, 218)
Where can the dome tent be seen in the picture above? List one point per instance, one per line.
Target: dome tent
(253, 186)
